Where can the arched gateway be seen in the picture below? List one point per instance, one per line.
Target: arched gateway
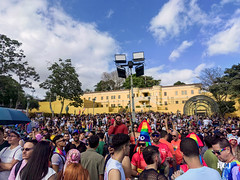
(200, 105)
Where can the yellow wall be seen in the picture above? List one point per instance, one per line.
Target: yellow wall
(159, 98)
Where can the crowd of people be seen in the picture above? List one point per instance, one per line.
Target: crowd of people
(111, 147)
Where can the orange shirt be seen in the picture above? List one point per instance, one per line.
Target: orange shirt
(168, 144)
(176, 147)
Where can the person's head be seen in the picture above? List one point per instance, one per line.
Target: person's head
(75, 136)
(66, 136)
(234, 132)
(175, 135)
(82, 135)
(93, 141)
(155, 137)
(233, 141)
(45, 131)
(59, 141)
(75, 171)
(27, 149)
(91, 133)
(135, 127)
(14, 138)
(100, 135)
(118, 119)
(164, 134)
(189, 148)
(222, 149)
(73, 156)
(151, 155)
(120, 142)
(37, 166)
(208, 141)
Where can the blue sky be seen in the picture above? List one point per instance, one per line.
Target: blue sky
(179, 37)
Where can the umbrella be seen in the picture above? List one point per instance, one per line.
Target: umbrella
(12, 116)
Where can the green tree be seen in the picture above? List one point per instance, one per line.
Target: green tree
(64, 83)
(140, 82)
(10, 90)
(105, 85)
(11, 62)
(178, 83)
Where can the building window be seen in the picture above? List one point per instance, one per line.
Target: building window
(89, 98)
(106, 105)
(199, 91)
(112, 105)
(165, 102)
(102, 98)
(176, 93)
(183, 102)
(176, 102)
(106, 97)
(184, 92)
(192, 91)
(128, 96)
(119, 96)
(165, 93)
(112, 97)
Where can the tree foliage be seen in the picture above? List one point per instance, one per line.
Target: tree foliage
(12, 62)
(209, 76)
(178, 83)
(64, 83)
(140, 82)
(105, 85)
(225, 87)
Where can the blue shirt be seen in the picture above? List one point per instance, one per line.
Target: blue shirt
(203, 173)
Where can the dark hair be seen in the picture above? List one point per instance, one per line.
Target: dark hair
(57, 138)
(75, 133)
(189, 147)
(155, 132)
(223, 142)
(163, 133)
(100, 135)
(93, 132)
(119, 115)
(208, 141)
(15, 132)
(118, 140)
(37, 166)
(93, 141)
(148, 154)
(1, 129)
(34, 141)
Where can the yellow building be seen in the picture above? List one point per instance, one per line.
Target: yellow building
(156, 98)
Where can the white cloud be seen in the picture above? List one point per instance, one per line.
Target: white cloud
(228, 40)
(223, 2)
(48, 33)
(169, 78)
(174, 17)
(110, 13)
(176, 53)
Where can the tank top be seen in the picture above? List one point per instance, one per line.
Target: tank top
(114, 164)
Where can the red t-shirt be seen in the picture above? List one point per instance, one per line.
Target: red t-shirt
(164, 151)
(139, 162)
(122, 128)
(176, 147)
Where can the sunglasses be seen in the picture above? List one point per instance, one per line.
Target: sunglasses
(174, 136)
(218, 152)
(26, 149)
(142, 144)
(233, 132)
(155, 135)
(135, 127)
(11, 136)
(63, 140)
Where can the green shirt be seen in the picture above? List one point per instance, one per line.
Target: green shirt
(211, 160)
(93, 162)
(100, 147)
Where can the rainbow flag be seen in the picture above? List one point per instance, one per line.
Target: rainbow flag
(196, 138)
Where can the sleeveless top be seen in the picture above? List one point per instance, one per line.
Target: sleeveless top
(114, 164)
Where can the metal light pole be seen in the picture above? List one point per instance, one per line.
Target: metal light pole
(94, 99)
(149, 103)
(27, 104)
(138, 61)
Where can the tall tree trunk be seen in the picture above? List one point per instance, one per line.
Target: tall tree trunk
(50, 105)
(62, 102)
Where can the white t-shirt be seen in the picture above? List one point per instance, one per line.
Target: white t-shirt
(7, 155)
(48, 175)
(114, 164)
(205, 173)
(59, 160)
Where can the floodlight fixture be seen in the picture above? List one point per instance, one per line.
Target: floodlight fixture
(121, 72)
(139, 70)
(138, 56)
(120, 58)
